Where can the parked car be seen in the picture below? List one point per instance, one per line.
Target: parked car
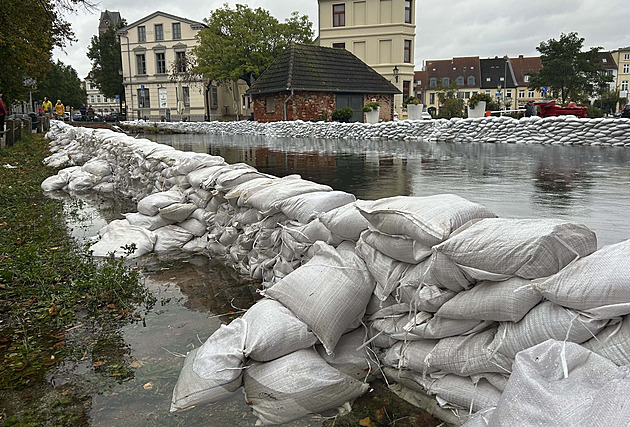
(112, 117)
(77, 117)
(20, 116)
(426, 116)
(66, 117)
(626, 111)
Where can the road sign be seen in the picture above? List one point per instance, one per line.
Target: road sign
(142, 87)
(543, 90)
(117, 96)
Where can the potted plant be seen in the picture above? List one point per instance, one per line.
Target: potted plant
(372, 110)
(477, 104)
(343, 115)
(414, 108)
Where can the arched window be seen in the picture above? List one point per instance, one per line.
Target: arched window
(460, 81)
(471, 80)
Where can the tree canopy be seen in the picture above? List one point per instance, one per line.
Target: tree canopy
(241, 43)
(62, 83)
(450, 104)
(104, 52)
(567, 71)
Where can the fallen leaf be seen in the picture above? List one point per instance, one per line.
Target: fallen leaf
(137, 364)
(148, 386)
(365, 422)
(99, 363)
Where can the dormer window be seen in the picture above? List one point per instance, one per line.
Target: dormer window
(526, 78)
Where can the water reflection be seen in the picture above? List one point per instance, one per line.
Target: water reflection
(583, 184)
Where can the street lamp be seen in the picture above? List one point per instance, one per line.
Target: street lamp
(396, 73)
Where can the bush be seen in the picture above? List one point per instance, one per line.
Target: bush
(371, 106)
(480, 96)
(342, 114)
(411, 100)
(594, 112)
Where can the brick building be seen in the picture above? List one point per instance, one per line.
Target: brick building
(307, 81)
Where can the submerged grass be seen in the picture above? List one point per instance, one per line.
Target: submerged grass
(48, 287)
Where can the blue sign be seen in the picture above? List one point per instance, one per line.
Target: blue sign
(543, 90)
(142, 87)
(117, 96)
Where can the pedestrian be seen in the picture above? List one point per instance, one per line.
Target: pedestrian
(83, 110)
(41, 112)
(3, 112)
(530, 109)
(90, 113)
(59, 110)
(47, 106)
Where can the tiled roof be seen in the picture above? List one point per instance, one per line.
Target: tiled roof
(523, 66)
(318, 68)
(453, 68)
(493, 70)
(607, 61)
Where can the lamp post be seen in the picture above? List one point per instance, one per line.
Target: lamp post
(395, 70)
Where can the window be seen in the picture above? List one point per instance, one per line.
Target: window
(626, 56)
(526, 78)
(159, 32)
(408, 11)
(406, 88)
(508, 93)
(471, 80)
(466, 95)
(143, 98)
(446, 81)
(433, 82)
(488, 79)
(214, 97)
(488, 92)
(501, 79)
(460, 81)
(530, 94)
(177, 30)
(270, 102)
(521, 93)
(98, 98)
(91, 99)
(339, 45)
(624, 85)
(142, 34)
(339, 15)
(626, 68)
(141, 64)
(180, 59)
(160, 63)
(407, 58)
(186, 95)
(432, 98)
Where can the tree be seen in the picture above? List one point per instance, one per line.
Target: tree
(568, 72)
(241, 43)
(451, 105)
(104, 52)
(29, 31)
(62, 82)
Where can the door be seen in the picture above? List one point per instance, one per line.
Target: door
(352, 100)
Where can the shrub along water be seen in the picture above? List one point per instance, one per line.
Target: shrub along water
(48, 284)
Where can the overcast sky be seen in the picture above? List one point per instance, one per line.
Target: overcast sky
(444, 29)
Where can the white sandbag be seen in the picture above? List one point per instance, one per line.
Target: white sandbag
(385, 270)
(345, 222)
(81, 182)
(149, 222)
(295, 386)
(351, 356)
(196, 177)
(229, 236)
(171, 237)
(556, 383)
(151, 204)
(509, 300)
(54, 182)
(118, 234)
(426, 297)
(194, 226)
(244, 188)
(306, 207)
(399, 248)
(463, 393)
(210, 182)
(496, 248)
(273, 331)
(98, 167)
(468, 355)
(196, 244)
(177, 212)
(415, 356)
(226, 181)
(329, 293)
(545, 321)
(213, 371)
(104, 188)
(597, 284)
(613, 342)
(266, 196)
(429, 220)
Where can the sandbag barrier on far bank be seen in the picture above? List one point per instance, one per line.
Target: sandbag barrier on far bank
(436, 293)
(565, 130)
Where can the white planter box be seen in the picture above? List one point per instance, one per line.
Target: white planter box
(478, 111)
(372, 116)
(414, 111)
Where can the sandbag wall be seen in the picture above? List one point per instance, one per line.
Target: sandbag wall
(566, 130)
(436, 289)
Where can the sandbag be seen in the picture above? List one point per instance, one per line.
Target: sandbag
(385, 270)
(171, 237)
(54, 182)
(613, 342)
(598, 284)
(273, 331)
(429, 220)
(213, 371)
(351, 356)
(509, 300)
(415, 356)
(151, 204)
(177, 212)
(399, 248)
(265, 197)
(149, 222)
(118, 234)
(306, 207)
(345, 222)
(297, 385)
(329, 293)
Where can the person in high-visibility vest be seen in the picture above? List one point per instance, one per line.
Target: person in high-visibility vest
(59, 110)
(47, 107)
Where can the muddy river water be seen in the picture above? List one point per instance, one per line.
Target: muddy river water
(195, 294)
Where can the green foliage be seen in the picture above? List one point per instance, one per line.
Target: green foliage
(450, 104)
(104, 52)
(62, 83)
(242, 43)
(479, 96)
(370, 106)
(594, 112)
(323, 117)
(343, 114)
(567, 71)
(411, 100)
